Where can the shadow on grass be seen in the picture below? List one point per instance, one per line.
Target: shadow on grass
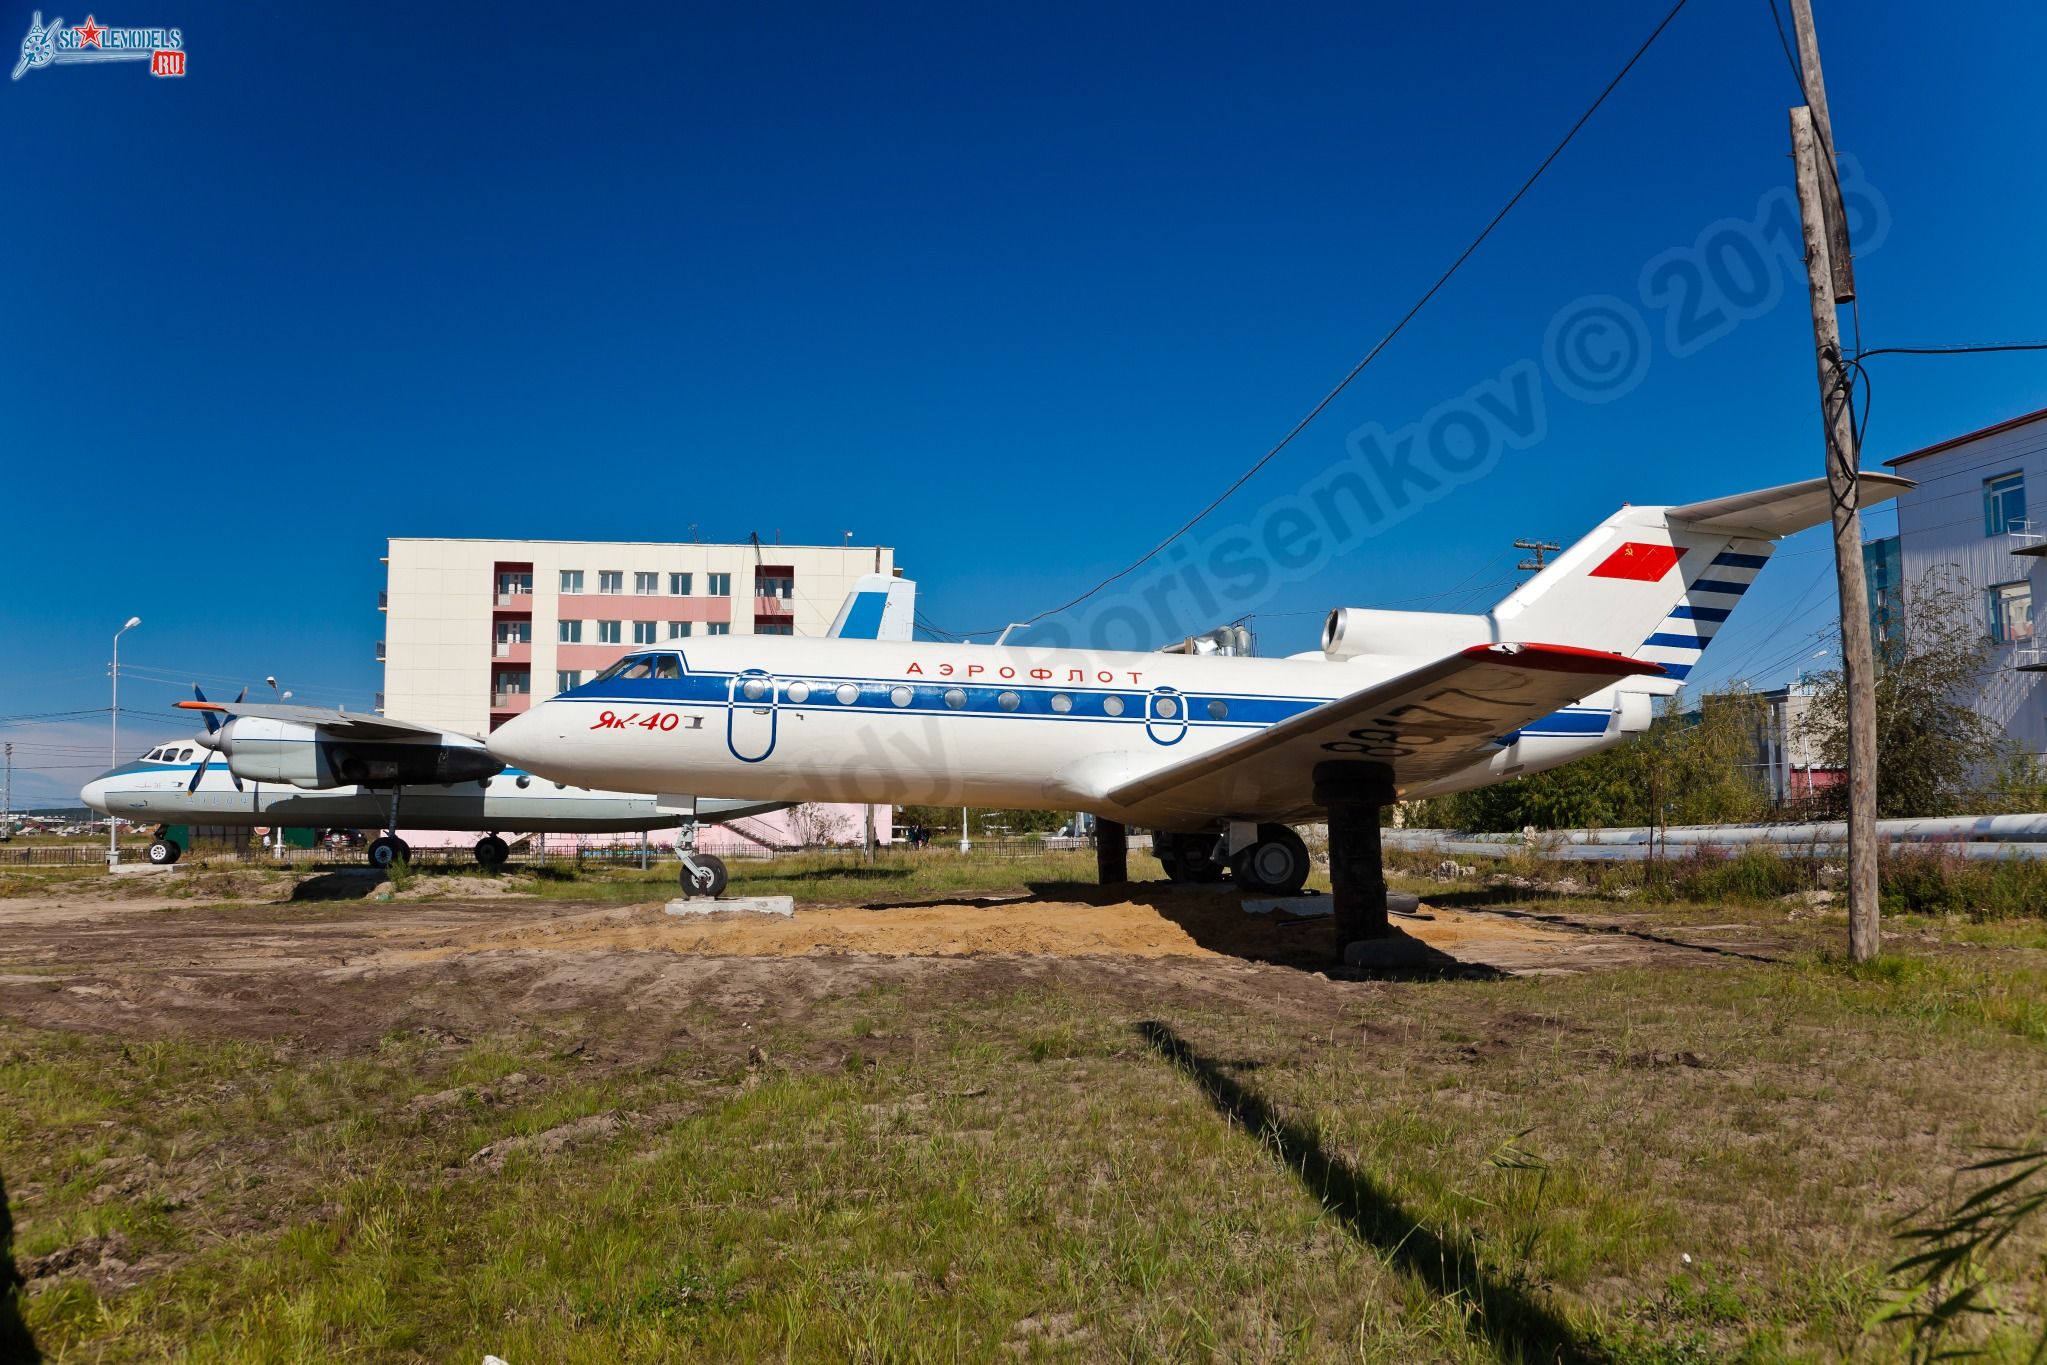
(832, 874)
(16, 1341)
(347, 884)
(1513, 1323)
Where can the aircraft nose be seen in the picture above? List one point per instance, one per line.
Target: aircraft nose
(522, 741)
(94, 793)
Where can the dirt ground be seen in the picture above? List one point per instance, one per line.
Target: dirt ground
(138, 965)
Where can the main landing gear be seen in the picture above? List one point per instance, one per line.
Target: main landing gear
(1271, 860)
(702, 873)
(389, 848)
(491, 852)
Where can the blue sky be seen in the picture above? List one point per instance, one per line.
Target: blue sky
(1015, 290)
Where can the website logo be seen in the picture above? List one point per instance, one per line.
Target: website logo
(56, 45)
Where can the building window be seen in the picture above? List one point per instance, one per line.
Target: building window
(610, 633)
(610, 581)
(646, 584)
(782, 628)
(569, 632)
(515, 632)
(643, 633)
(2011, 612)
(2004, 503)
(717, 627)
(566, 679)
(678, 584)
(572, 580)
(514, 584)
(678, 630)
(778, 585)
(718, 584)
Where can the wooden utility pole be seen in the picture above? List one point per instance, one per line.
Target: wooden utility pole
(1857, 658)
(1815, 86)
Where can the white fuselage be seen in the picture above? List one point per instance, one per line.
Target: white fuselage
(789, 719)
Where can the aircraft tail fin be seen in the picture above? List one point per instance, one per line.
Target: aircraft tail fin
(880, 607)
(1657, 583)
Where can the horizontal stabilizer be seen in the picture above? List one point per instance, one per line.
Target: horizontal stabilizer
(1777, 512)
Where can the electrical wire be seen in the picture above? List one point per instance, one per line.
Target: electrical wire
(1383, 342)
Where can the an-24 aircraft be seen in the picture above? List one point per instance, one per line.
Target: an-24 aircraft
(1218, 755)
(306, 766)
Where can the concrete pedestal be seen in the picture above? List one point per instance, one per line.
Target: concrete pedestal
(726, 905)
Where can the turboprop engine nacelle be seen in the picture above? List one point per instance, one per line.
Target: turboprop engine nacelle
(1354, 631)
(259, 749)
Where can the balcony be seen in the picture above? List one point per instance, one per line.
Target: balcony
(515, 601)
(380, 651)
(383, 601)
(779, 610)
(510, 701)
(512, 651)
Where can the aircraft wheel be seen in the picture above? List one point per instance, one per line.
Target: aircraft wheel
(385, 850)
(164, 851)
(492, 851)
(1276, 865)
(710, 879)
(404, 850)
(1189, 858)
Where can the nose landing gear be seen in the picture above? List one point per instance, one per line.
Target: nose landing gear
(702, 873)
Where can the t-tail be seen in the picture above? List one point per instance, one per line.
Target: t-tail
(1648, 583)
(880, 607)
(1657, 583)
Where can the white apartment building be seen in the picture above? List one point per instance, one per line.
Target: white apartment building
(478, 630)
(1971, 519)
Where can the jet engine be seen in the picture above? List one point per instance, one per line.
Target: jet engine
(1354, 631)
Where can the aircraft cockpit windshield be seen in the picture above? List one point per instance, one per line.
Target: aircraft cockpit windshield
(169, 753)
(636, 666)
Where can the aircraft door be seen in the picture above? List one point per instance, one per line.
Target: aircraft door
(1165, 715)
(750, 717)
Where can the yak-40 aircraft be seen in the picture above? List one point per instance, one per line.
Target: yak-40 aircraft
(307, 766)
(1218, 755)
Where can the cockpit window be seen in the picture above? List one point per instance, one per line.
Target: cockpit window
(634, 666)
(184, 755)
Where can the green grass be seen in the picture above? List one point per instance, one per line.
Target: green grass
(1447, 1170)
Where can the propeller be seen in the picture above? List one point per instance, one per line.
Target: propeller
(210, 742)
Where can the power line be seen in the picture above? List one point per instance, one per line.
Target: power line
(1383, 342)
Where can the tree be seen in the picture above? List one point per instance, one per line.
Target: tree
(1696, 766)
(1933, 748)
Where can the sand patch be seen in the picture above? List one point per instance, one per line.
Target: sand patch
(1162, 924)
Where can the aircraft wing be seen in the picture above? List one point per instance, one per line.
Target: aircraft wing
(1422, 725)
(353, 724)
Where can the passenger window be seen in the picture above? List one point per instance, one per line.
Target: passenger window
(955, 697)
(1008, 701)
(753, 689)
(847, 694)
(900, 695)
(1166, 707)
(1061, 703)
(1113, 705)
(1218, 710)
(798, 692)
